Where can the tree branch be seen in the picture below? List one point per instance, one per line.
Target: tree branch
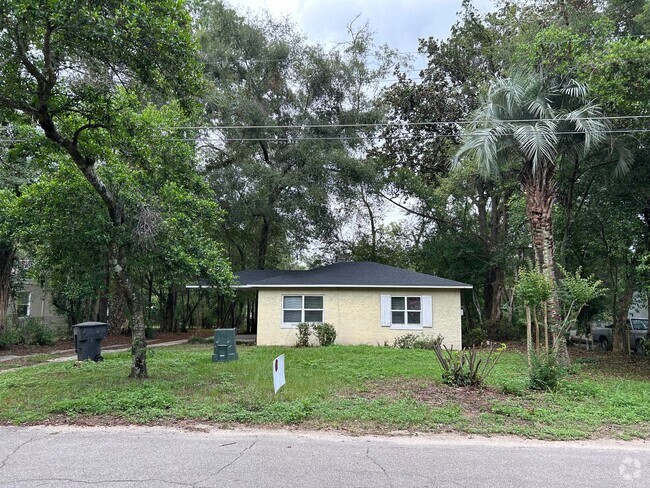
(23, 107)
(22, 55)
(77, 133)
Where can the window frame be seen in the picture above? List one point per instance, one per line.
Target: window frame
(406, 325)
(24, 303)
(302, 309)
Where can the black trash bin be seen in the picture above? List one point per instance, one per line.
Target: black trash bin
(224, 345)
(88, 340)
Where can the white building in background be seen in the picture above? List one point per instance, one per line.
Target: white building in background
(34, 301)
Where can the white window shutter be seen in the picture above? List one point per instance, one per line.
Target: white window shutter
(427, 311)
(385, 311)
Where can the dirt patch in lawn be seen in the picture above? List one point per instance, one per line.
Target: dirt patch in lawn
(473, 401)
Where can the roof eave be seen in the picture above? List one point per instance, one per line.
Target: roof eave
(448, 287)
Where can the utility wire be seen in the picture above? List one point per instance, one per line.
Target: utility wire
(404, 124)
(364, 137)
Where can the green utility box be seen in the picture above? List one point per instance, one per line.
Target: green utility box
(224, 345)
(88, 340)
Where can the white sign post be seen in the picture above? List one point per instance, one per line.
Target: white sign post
(278, 372)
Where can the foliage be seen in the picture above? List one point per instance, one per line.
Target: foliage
(476, 337)
(532, 287)
(27, 331)
(466, 367)
(325, 333)
(417, 341)
(282, 174)
(78, 71)
(576, 292)
(303, 332)
(545, 373)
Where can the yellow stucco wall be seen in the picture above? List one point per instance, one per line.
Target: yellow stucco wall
(355, 313)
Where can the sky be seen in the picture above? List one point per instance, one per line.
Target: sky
(397, 23)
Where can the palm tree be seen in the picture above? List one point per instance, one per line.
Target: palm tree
(526, 123)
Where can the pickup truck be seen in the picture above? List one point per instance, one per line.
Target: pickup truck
(638, 328)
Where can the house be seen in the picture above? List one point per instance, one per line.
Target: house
(368, 303)
(34, 301)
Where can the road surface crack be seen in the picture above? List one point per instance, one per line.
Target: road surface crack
(4, 461)
(237, 458)
(383, 470)
(100, 482)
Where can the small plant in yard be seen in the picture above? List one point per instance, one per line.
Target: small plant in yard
(303, 332)
(544, 374)
(325, 333)
(406, 341)
(414, 341)
(467, 367)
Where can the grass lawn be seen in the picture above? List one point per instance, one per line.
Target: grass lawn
(356, 388)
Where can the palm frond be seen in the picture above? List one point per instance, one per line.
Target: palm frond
(508, 93)
(574, 89)
(589, 120)
(537, 142)
(483, 144)
(625, 157)
(540, 107)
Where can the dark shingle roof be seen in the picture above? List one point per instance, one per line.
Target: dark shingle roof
(363, 274)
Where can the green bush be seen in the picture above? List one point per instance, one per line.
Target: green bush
(303, 333)
(544, 374)
(417, 341)
(474, 337)
(406, 341)
(325, 333)
(8, 337)
(427, 342)
(29, 331)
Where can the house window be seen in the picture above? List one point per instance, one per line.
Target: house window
(302, 308)
(23, 299)
(406, 310)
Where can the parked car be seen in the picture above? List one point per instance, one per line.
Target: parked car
(638, 328)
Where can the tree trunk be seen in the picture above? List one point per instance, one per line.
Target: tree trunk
(529, 339)
(7, 258)
(265, 234)
(169, 322)
(539, 192)
(117, 314)
(536, 322)
(85, 163)
(493, 297)
(546, 328)
(132, 300)
(620, 334)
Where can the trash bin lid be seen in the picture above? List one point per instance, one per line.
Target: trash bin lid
(90, 324)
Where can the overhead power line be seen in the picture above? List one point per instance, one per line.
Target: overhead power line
(384, 124)
(355, 137)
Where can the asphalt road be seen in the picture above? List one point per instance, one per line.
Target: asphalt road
(127, 457)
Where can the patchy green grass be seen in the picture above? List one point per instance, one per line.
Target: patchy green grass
(27, 361)
(360, 389)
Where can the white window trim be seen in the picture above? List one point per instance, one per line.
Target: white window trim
(405, 325)
(28, 303)
(426, 312)
(293, 325)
